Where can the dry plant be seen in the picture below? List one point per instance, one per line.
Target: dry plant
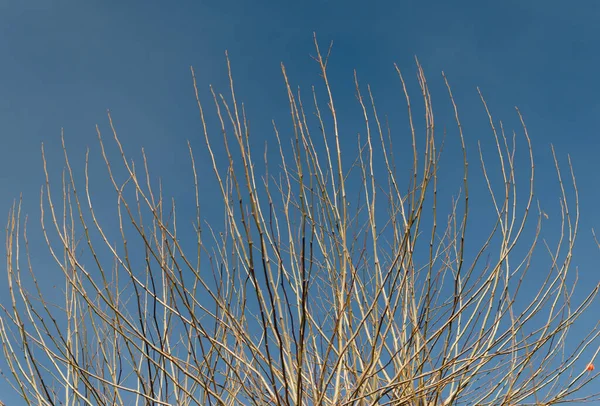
(332, 282)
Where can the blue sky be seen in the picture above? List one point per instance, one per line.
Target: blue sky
(64, 63)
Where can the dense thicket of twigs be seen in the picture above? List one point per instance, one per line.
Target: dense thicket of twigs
(333, 280)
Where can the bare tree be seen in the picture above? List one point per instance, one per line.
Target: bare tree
(331, 282)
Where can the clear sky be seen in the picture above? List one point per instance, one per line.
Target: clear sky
(64, 63)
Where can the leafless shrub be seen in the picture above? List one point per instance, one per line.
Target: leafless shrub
(308, 295)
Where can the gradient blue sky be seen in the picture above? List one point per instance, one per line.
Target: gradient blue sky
(64, 63)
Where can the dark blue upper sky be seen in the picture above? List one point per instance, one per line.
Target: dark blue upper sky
(64, 63)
